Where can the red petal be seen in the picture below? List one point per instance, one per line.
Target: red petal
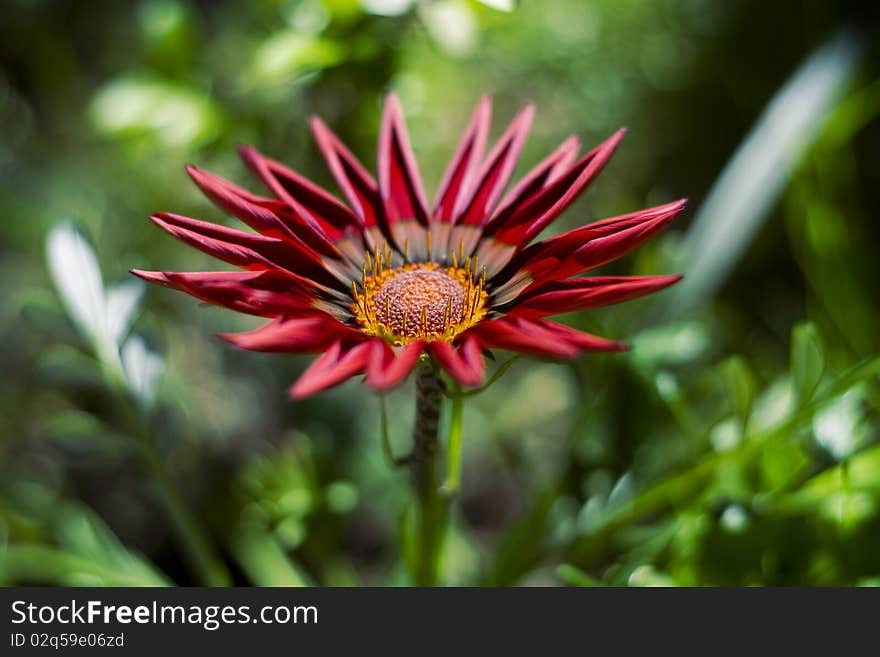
(400, 184)
(547, 171)
(267, 293)
(458, 179)
(388, 367)
(353, 179)
(320, 209)
(496, 171)
(331, 368)
(239, 203)
(247, 250)
(542, 208)
(587, 247)
(464, 364)
(295, 335)
(582, 293)
(539, 337)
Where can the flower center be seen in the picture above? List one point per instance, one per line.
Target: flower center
(419, 299)
(419, 302)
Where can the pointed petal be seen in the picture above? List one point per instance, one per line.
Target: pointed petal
(463, 363)
(581, 249)
(400, 184)
(546, 172)
(387, 367)
(320, 209)
(536, 213)
(353, 179)
(540, 338)
(248, 250)
(582, 293)
(497, 170)
(295, 335)
(331, 368)
(458, 179)
(239, 202)
(266, 293)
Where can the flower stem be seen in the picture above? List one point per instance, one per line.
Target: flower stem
(202, 559)
(453, 458)
(198, 551)
(432, 513)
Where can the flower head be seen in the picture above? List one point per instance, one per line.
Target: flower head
(377, 284)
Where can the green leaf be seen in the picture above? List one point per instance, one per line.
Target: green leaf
(572, 576)
(740, 383)
(807, 361)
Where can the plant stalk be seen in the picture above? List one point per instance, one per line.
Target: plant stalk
(432, 506)
(198, 551)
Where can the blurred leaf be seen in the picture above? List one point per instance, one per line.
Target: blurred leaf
(572, 576)
(500, 5)
(88, 554)
(452, 24)
(741, 386)
(839, 427)
(122, 302)
(753, 179)
(290, 53)
(341, 496)
(647, 575)
(29, 564)
(142, 369)
(672, 343)
(263, 560)
(807, 361)
(141, 105)
(77, 277)
(519, 550)
(387, 7)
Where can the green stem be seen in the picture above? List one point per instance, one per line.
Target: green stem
(453, 459)
(432, 506)
(202, 559)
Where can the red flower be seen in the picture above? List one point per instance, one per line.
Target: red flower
(375, 285)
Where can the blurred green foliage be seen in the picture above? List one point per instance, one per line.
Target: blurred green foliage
(737, 444)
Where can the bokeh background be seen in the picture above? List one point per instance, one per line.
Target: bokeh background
(737, 444)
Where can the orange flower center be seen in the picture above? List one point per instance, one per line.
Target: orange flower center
(419, 302)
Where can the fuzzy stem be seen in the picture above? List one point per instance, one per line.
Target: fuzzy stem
(200, 555)
(423, 462)
(197, 549)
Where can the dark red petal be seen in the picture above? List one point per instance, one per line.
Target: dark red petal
(252, 292)
(586, 247)
(387, 366)
(496, 171)
(536, 213)
(400, 184)
(463, 363)
(582, 293)
(295, 335)
(248, 250)
(547, 171)
(331, 368)
(267, 216)
(267, 293)
(353, 179)
(458, 179)
(539, 337)
(239, 202)
(320, 209)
